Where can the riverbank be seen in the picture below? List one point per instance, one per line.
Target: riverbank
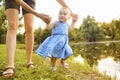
(42, 70)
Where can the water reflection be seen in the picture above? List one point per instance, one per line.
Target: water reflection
(94, 52)
(105, 66)
(109, 67)
(79, 59)
(106, 56)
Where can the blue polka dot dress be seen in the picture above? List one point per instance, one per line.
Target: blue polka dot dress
(56, 45)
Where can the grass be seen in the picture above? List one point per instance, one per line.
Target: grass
(42, 69)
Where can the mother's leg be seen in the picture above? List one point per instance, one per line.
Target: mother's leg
(12, 16)
(29, 36)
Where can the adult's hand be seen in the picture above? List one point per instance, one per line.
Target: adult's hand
(44, 17)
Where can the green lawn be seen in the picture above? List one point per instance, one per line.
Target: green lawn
(42, 69)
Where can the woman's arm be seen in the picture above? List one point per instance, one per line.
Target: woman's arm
(42, 16)
(62, 3)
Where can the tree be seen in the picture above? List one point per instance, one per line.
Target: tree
(3, 23)
(90, 29)
(38, 35)
(115, 29)
(20, 36)
(112, 29)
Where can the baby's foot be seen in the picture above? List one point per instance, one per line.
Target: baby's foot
(64, 64)
(53, 68)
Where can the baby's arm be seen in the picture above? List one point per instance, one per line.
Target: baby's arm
(52, 25)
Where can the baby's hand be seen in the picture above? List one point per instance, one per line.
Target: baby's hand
(74, 20)
(74, 15)
(45, 18)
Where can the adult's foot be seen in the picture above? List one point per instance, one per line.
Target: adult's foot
(8, 72)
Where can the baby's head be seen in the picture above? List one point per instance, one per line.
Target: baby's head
(64, 14)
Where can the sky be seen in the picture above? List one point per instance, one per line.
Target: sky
(102, 10)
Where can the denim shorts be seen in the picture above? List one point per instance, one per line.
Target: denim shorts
(12, 4)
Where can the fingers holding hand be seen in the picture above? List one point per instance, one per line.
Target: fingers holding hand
(74, 15)
(74, 20)
(45, 18)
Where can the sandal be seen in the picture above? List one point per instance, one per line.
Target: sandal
(64, 64)
(8, 72)
(30, 65)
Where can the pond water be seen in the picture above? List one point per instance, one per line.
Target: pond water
(105, 55)
(110, 67)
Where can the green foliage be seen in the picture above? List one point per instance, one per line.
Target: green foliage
(115, 30)
(3, 23)
(38, 35)
(111, 29)
(75, 35)
(41, 35)
(20, 38)
(2, 2)
(46, 33)
(90, 29)
(72, 35)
